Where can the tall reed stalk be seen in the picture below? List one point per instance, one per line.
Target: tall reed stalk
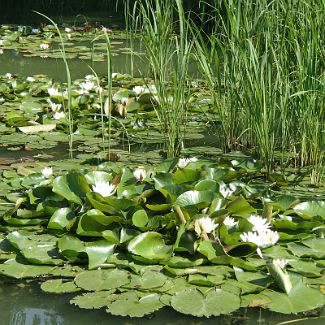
(69, 83)
(168, 54)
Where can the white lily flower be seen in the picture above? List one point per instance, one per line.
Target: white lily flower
(30, 79)
(54, 92)
(54, 107)
(262, 239)
(140, 174)
(183, 162)
(139, 90)
(44, 46)
(230, 222)
(68, 30)
(47, 172)
(8, 75)
(259, 224)
(87, 86)
(59, 115)
(280, 262)
(105, 189)
(206, 224)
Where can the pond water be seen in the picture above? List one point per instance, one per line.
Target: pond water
(16, 63)
(26, 304)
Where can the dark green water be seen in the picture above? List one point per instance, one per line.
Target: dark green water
(15, 63)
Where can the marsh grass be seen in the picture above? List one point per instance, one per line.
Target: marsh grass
(264, 66)
(168, 54)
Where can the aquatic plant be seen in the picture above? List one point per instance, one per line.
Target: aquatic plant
(168, 55)
(123, 243)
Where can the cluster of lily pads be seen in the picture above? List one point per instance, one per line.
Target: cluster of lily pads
(44, 42)
(202, 237)
(37, 106)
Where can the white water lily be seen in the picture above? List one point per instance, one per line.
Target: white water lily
(206, 224)
(259, 224)
(8, 75)
(140, 174)
(139, 90)
(105, 189)
(53, 92)
(59, 115)
(54, 107)
(68, 30)
(230, 222)
(280, 262)
(87, 86)
(1, 42)
(262, 239)
(183, 162)
(44, 46)
(47, 172)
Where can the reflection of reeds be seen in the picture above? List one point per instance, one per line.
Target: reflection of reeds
(168, 55)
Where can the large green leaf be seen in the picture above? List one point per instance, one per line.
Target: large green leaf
(62, 219)
(17, 270)
(216, 302)
(148, 280)
(71, 247)
(94, 222)
(72, 186)
(150, 245)
(98, 252)
(130, 304)
(95, 280)
(310, 209)
(58, 286)
(93, 300)
(299, 299)
(200, 199)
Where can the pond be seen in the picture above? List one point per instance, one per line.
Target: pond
(107, 222)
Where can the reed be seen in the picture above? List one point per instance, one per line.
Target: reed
(168, 54)
(264, 66)
(69, 82)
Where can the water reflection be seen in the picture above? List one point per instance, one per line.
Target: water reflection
(35, 316)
